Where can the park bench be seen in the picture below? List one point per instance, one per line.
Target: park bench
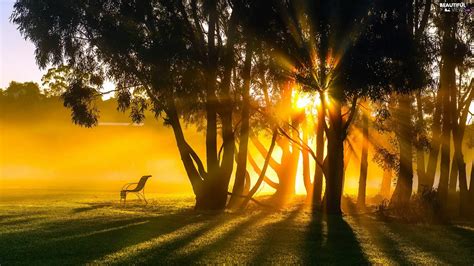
(139, 190)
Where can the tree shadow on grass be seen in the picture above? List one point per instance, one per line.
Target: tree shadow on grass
(330, 240)
(275, 240)
(89, 242)
(18, 221)
(389, 246)
(201, 244)
(90, 207)
(225, 243)
(407, 244)
(464, 234)
(452, 245)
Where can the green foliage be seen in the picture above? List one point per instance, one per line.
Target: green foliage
(79, 97)
(155, 44)
(56, 80)
(424, 207)
(28, 91)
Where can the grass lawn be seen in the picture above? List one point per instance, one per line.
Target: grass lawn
(78, 228)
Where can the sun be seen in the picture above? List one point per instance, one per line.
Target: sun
(302, 101)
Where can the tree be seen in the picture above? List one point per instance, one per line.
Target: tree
(56, 81)
(453, 50)
(160, 57)
(27, 91)
(363, 161)
(332, 58)
(184, 59)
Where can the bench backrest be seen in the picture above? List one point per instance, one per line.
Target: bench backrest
(142, 182)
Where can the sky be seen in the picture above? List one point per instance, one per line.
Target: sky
(17, 56)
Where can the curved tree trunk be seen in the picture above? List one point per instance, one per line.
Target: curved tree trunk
(453, 175)
(403, 189)
(305, 157)
(447, 84)
(287, 173)
(318, 173)
(334, 180)
(214, 187)
(420, 153)
(193, 174)
(262, 174)
(471, 190)
(435, 145)
(241, 171)
(363, 162)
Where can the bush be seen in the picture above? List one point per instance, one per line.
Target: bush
(424, 207)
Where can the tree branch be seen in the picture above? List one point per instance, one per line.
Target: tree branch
(256, 142)
(353, 111)
(264, 170)
(259, 171)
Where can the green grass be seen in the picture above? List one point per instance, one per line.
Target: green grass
(77, 228)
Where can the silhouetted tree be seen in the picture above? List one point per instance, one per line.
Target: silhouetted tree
(27, 91)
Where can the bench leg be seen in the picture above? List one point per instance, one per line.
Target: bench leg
(143, 195)
(123, 196)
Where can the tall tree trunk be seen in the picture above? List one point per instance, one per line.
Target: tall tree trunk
(305, 157)
(214, 189)
(226, 106)
(453, 175)
(420, 152)
(185, 152)
(244, 131)
(335, 149)
(290, 156)
(434, 145)
(318, 173)
(461, 169)
(447, 83)
(363, 162)
(458, 121)
(211, 99)
(403, 189)
(287, 173)
(458, 128)
(471, 189)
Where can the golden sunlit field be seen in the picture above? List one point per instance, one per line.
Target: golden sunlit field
(40, 227)
(236, 132)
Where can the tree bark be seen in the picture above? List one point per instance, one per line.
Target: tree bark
(244, 130)
(264, 170)
(287, 173)
(335, 159)
(447, 83)
(403, 189)
(226, 107)
(471, 189)
(458, 121)
(211, 99)
(214, 187)
(183, 148)
(318, 173)
(420, 152)
(305, 157)
(435, 145)
(453, 175)
(363, 162)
